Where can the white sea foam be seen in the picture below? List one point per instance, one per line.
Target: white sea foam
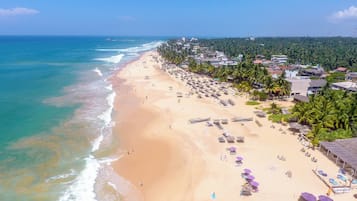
(96, 70)
(106, 116)
(113, 186)
(109, 87)
(113, 59)
(96, 143)
(83, 186)
(62, 176)
(133, 50)
(108, 50)
(142, 48)
(108, 161)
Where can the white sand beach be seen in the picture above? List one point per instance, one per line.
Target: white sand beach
(167, 158)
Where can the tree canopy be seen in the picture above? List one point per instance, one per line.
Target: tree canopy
(329, 52)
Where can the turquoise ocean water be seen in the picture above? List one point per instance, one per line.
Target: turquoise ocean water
(55, 115)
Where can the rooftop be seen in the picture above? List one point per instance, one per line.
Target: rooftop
(301, 98)
(318, 83)
(345, 85)
(345, 149)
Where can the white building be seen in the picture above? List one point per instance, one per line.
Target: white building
(347, 86)
(279, 59)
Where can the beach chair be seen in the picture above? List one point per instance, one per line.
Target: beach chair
(240, 139)
(221, 140)
(230, 139)
(333, 182)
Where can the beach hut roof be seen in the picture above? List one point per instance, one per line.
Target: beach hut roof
(344, 149)
(301, 98)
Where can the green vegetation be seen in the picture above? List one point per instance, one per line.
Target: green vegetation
(331, 114)
(252, 103)
(276, 115)
(168, 51)
(245, 76)
(329, 52)
(335, 77)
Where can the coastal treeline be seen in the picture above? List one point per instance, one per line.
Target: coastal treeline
(328, 52)
(332, 114)
(245, 76)
(169, 52)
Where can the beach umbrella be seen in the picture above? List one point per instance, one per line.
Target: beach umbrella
(247, 171)
(239, 158)
(324, 198)
(232, 149)
(254, 183)
(308, 196)
(250, 177)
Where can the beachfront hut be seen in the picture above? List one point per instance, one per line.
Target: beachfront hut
(307, 197)
(344, 150)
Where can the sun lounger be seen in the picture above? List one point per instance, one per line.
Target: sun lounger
(240, 119)
(231, 102)
(222, 102)
(333, 182)
(224, 121)
(209, 124)
(230, 139)
(341, 177)
(322, 173)
(221, 140)
(198, 120)
(240, 139)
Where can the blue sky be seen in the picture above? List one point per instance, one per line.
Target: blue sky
(221, 18)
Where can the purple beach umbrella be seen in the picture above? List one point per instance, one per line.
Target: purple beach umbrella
(247, 171)
(308, 196)
(250, 177)
(324, 198)
(254, 183)
(232, 149)
(239, 158)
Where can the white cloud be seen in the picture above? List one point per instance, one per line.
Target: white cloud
(17, 11)
(348, 13)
